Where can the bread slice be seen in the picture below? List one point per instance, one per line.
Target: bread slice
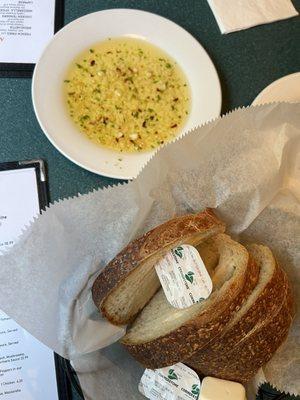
(264, 300)
(256, 330)
(256, 349)
(129, 281)
(163, 335)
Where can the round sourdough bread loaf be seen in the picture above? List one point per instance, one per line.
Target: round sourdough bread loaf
(162, 335)
(231, 334)
(129, 281)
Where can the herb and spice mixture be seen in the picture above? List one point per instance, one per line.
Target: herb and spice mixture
(127, 95)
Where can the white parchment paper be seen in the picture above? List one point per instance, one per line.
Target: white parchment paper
(246, 165)
(235, 15)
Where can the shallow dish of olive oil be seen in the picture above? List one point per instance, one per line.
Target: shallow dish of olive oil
(127, 94)
(109, 105)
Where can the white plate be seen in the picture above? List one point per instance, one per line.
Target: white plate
(80, 34)
(284, 89)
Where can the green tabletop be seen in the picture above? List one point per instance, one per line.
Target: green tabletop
(246, 62)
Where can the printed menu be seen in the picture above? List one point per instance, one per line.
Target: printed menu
(26, 26)
(27, 367)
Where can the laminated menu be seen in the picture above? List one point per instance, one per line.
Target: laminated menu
(26, 27)
(27, 367)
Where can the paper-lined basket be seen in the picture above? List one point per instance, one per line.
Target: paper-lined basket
(245, 165)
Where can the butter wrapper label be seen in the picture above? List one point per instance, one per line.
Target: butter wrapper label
(177, 382)
(183, 277)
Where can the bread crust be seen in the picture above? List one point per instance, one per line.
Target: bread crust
(181, 343)
(242, 363)
(175, 231)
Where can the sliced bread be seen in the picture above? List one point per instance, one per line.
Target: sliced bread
(231, 334)
(263, 301)
(129, 281)
(256, 349)
(163, 335)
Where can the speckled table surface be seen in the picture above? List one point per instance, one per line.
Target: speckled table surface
(246, 62)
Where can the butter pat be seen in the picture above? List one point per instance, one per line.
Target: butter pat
(183, 277)
(220, 389)
(178, 382)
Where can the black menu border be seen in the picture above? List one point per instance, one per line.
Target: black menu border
(19, 70)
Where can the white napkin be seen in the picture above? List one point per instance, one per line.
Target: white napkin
(235, 15)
